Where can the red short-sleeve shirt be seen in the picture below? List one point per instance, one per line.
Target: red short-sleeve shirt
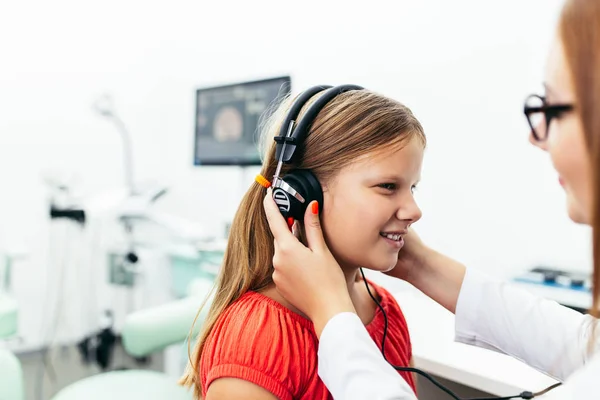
(259, 340)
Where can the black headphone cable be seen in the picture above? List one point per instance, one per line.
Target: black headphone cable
(523, 395)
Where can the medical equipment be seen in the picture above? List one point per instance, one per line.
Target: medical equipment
(104, 107)
(146, 332)
(11, 376)
(194, 261)
(228, 118)
(133, 250)
(11, 373)
(130, 204)
(8, 305)
(188, 264)
(8, 316)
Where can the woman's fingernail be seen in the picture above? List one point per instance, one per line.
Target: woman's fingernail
(315, 207)
(290, 222)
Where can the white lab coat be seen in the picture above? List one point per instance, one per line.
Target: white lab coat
(489, 314)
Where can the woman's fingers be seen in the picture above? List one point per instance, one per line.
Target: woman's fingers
(312, 227)
(278, 225)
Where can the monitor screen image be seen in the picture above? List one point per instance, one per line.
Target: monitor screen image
(227, 120)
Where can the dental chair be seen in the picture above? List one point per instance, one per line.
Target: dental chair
(11, 374)
(146, 332)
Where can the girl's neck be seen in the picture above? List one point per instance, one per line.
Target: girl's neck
(364, 305)
(353, 277)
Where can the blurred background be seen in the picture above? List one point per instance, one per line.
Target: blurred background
(113, 201)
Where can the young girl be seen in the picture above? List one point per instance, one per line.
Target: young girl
(366, 151)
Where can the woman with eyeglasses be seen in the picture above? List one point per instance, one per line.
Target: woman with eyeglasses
(565, 123)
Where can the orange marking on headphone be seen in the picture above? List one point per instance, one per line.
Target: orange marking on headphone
(262, 181)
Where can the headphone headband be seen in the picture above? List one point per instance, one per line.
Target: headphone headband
(292, 134)
(299, 187)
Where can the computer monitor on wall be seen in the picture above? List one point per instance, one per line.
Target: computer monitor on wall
(227, 120)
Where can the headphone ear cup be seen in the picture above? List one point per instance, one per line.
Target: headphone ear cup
(307, 185)
(314, 191)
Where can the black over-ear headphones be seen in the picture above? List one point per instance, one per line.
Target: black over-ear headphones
(299, 187)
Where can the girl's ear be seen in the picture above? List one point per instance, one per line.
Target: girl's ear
(299, 231)
(296, 230)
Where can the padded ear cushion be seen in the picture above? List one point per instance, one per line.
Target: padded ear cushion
(307, 184)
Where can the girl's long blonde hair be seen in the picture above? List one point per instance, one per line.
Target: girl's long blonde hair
(351, 125)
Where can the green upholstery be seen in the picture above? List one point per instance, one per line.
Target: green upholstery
(125, 385)
(151, 330)
(11, 377)
(8, 316)
(146, 332)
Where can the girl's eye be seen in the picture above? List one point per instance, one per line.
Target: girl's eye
(413, 188)
(388, 186)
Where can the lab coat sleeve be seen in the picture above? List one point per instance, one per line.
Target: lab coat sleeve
(540, 332)
(352, 367)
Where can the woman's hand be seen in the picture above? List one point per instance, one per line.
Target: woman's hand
(308, 277)
(410, 258)
(433, 273)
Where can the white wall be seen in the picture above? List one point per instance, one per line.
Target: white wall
(464, 67)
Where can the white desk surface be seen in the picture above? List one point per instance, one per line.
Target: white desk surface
(435, 351)
(574, 298)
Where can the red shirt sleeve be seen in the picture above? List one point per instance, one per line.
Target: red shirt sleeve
(256, 339)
